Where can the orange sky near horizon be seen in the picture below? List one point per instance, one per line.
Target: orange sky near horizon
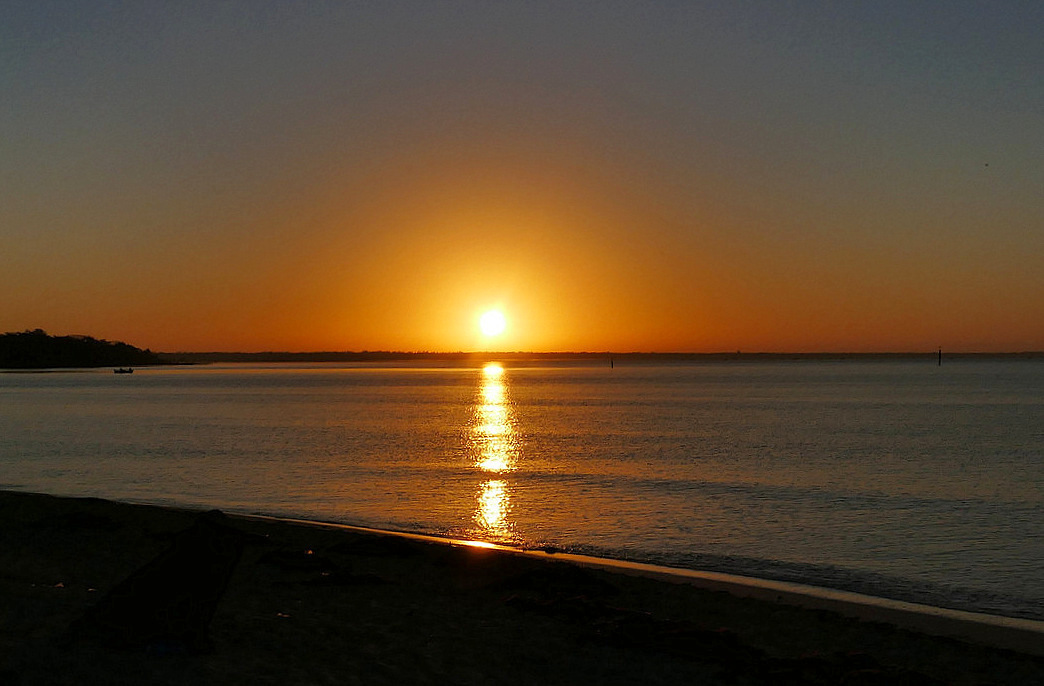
(254, 182)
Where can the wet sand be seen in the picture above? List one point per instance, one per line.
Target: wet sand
(83, 581)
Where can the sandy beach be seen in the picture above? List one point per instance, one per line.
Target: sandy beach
(93, 591)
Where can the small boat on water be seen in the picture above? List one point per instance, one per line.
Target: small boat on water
(121, 370)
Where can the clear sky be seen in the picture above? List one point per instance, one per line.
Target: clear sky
(656, 176)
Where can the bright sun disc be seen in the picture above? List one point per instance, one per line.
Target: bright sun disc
(493, 323)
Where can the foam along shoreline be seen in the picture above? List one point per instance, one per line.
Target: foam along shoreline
(1010, 633)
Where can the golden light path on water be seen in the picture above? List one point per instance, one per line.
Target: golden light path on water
(495, 443)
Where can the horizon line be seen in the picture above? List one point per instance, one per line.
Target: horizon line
(624, 353)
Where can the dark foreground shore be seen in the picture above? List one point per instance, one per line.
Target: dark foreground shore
(99, 592)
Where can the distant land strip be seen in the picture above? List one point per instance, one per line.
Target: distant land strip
(519, 357)
(36, 349)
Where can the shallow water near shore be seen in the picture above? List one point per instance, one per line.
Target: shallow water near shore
(892, 478)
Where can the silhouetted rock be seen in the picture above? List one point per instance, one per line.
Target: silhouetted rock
(166, 606)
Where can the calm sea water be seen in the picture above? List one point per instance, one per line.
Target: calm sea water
(899, 479)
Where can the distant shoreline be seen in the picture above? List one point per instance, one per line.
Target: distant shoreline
(34, 350)
(517, 356)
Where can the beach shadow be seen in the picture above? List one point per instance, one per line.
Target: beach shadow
(166, 606)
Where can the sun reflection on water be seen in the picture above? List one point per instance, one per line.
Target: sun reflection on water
(493, 434)
(495, 450)
(493, 508)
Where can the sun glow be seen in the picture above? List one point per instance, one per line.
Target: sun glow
(493, 323)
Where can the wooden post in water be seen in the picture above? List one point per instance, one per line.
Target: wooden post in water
(940, 355)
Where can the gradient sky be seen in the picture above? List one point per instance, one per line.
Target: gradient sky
(672, 176)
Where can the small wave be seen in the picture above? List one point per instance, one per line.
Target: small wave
(838, 578)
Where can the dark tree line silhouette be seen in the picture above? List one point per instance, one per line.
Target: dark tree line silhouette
(37, 350)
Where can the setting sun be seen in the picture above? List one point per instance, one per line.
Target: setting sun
(493, 323)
